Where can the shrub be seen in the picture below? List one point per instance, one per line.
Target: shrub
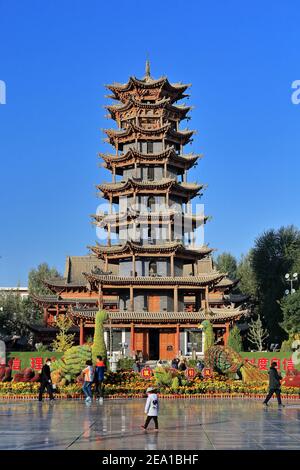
(235, 340)
(99, 346)
(126, 363)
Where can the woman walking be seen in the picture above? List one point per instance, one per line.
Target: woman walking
(88, 374)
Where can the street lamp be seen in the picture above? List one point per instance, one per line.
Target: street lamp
(291, 278)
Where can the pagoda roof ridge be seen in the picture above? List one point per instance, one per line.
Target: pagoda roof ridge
(134, 152)
(133, 129)
(147, 82)
(135, 182)
(200, 279)
(131, 246)
(212, 314)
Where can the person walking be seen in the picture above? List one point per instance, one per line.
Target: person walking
(274, 385)
(88, 374)
(151, 408)
(99, 377)
(46, 382)
(182, 364)
(174, 363)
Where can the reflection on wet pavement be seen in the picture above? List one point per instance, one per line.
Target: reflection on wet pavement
(184, 424)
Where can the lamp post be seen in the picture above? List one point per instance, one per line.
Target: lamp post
(291, 278)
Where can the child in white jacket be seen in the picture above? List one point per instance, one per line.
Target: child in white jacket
(151, 408)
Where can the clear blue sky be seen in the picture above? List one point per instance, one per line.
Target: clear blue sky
(241, 58)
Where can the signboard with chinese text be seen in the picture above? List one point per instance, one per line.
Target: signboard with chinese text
(146, 373)
(190, 373)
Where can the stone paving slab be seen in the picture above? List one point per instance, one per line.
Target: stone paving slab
(115, 425)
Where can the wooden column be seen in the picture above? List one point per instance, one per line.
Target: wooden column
(110, 203)
(165, 169)
(206, 298)
(100, 297)
(170, 230)
(184, 176)
(135, 169)
(226, 335)
(167, 199)
(132, 342)
(176, 299)
(131, 299)
(177, 340)
(81, 334)
(172, 265)
(45, 316)
(109, 234)
(106, 263)
(133, 265)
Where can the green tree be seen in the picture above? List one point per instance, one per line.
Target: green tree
(13, 315)
(235, 340)
(290, 306)
(99, 346)
(63, 340)
(36, 278)
(275, 253)
(226, 263)
(245, 274)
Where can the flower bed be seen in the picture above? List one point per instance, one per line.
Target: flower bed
(131, 385)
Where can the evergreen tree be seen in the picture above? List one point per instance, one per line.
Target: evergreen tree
(275, 253)
(290, 306)
(226, 263)
(99, 346)
(208, 335)
(245, 274)
(235, 340)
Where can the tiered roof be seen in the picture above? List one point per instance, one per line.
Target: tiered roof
(214, 315)
(148, 88)
(130, 247)
(185, 161)
(134, 132)
(185, 190)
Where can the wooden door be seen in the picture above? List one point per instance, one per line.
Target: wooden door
(167, 349)
(141, 342)
(153, 303)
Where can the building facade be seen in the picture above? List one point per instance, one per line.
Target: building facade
(155, 280)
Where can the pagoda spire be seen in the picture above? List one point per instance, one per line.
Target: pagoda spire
(147, 69)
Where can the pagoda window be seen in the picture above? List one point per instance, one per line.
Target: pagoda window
(141, 147)
(149, 147)
(151, 173)
(152, 268)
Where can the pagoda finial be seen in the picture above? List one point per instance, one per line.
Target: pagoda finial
(147, 68)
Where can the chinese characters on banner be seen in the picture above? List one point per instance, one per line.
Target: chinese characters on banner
(207, 372)
(36, 363)
(190, 373)
(146, 373)
(264, 363)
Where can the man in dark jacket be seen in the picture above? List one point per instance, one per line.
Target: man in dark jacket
(99, 377)
(46, 381)
(274, 385)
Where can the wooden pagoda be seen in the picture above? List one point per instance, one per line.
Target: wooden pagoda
(150, 276)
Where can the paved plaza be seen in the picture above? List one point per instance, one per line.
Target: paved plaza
(184, 424)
